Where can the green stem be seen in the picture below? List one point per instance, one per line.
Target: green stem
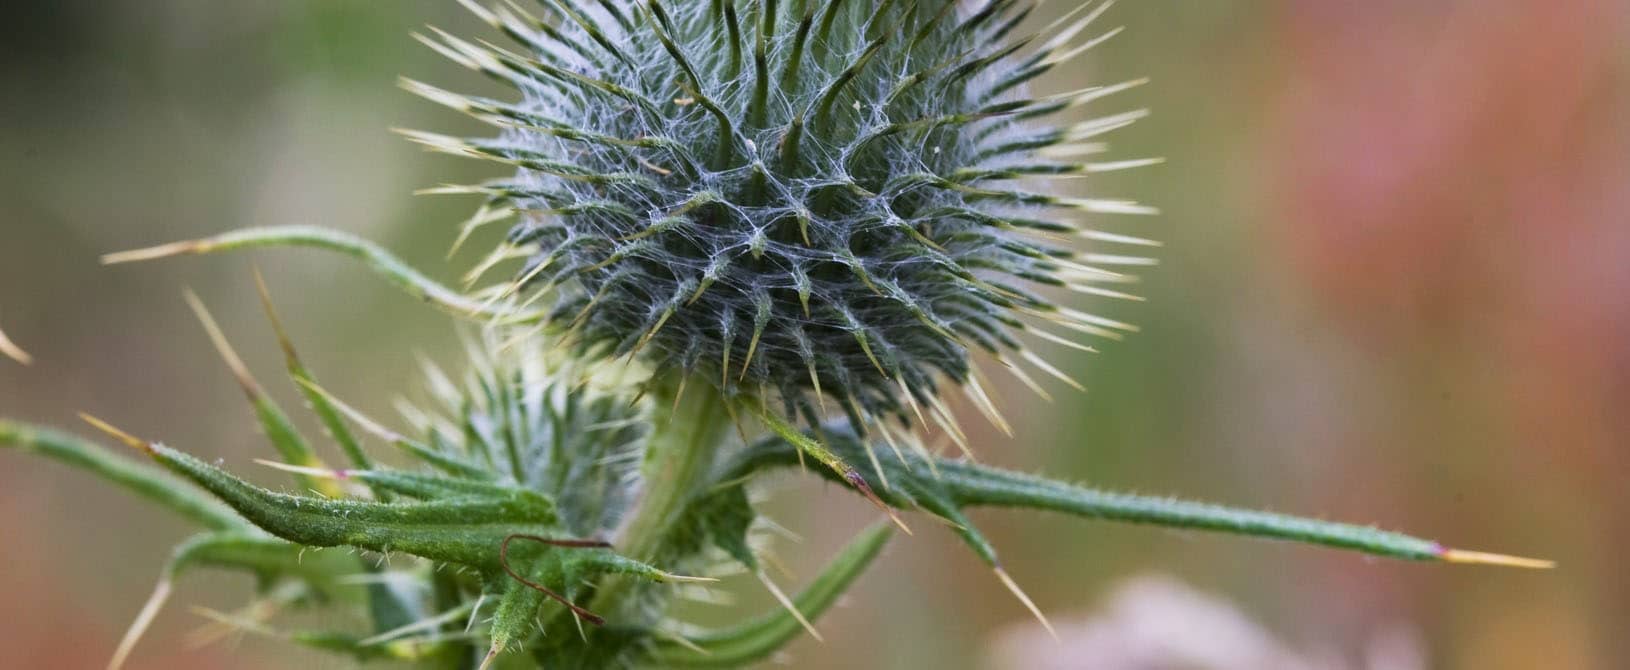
(686, 432)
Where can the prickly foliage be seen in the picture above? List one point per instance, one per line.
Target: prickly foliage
(815, 197)
(522, 473)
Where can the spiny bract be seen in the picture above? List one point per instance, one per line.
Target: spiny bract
(805, 197)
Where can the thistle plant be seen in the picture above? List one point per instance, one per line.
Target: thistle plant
(749, 233)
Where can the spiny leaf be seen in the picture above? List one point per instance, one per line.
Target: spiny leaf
(946, 487)
(519, 604)
(466, 530)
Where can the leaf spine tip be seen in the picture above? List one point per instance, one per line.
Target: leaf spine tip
(791, 607)
(130, 440)
(1013, 587)
(10, 350)
(1488, 558)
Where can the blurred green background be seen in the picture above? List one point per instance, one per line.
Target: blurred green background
(1395, 289)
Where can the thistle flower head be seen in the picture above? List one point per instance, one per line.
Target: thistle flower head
(818, 198)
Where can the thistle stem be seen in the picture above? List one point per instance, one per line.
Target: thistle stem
(686, 430)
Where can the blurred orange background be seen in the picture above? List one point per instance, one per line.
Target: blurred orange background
(1395, 289)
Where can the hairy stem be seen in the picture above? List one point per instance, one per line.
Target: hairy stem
(687, 427)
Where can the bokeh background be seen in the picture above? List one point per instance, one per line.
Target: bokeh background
(1395, 289)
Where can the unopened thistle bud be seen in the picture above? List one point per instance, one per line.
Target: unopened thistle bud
(818, 199)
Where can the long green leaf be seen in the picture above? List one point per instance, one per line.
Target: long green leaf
(465, 530)
(946, 487)
(379, 260)
(144, 481)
